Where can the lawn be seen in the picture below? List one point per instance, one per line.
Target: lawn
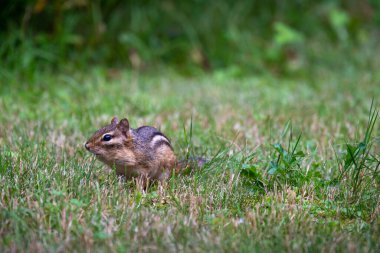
(293, 161)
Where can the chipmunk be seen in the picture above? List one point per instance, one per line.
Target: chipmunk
(144, 152)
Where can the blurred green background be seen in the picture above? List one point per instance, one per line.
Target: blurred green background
(191, 37)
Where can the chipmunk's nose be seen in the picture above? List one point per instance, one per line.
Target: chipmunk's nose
(86, 146)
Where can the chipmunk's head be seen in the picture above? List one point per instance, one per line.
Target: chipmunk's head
(107, 142)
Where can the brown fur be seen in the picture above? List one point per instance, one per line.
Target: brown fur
(134, 153)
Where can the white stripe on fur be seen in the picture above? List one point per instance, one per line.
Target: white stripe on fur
(158, 138)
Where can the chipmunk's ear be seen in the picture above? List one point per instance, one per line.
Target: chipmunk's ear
(114, 121)
(123, 126)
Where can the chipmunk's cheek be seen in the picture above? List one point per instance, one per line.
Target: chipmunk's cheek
(99, 153)
(93, 150)
(96, 152)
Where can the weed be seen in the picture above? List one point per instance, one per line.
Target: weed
(286, 167)
(360, 169)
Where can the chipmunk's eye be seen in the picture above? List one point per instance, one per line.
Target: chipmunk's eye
(107, 137)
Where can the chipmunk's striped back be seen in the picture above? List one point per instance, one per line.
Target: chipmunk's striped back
(152, 136)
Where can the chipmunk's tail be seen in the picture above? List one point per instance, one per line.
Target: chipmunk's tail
(192, 163)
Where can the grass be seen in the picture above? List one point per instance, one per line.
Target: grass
(294, 163)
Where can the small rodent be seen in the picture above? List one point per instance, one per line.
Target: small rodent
(144, 152)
